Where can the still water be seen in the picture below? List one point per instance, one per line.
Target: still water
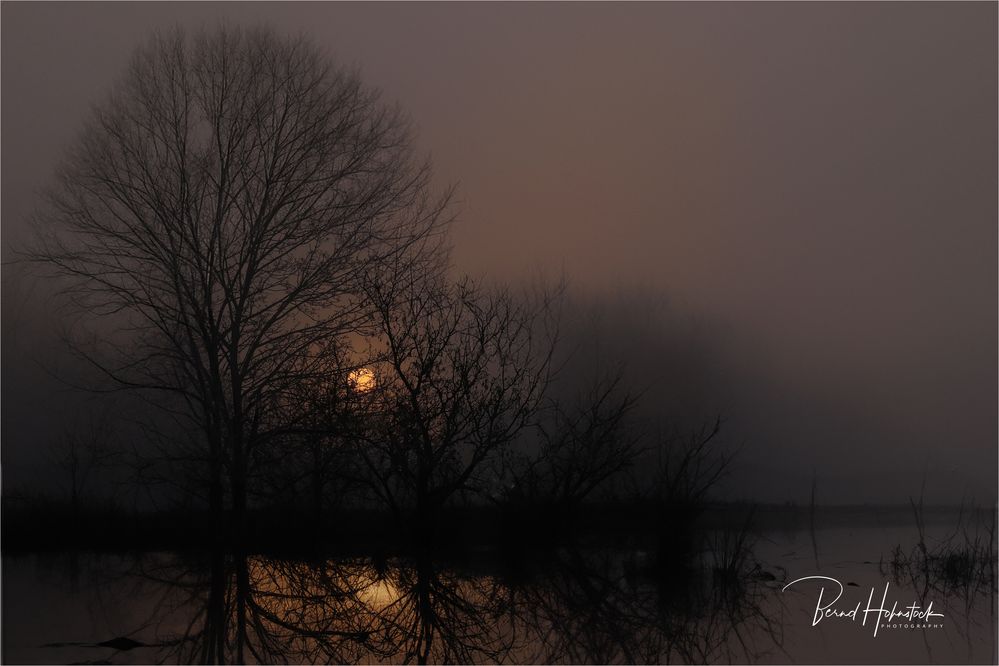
(579, 605)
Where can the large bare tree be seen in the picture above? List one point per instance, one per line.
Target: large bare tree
(219, 212)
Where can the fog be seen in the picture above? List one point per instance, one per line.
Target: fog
(784, 213)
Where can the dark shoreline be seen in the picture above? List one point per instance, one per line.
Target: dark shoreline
(55, 528)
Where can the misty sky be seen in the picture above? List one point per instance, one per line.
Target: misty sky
(810, 189)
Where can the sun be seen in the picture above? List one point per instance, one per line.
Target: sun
(362, 379)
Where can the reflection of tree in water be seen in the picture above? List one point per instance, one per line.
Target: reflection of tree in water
(572, 608)
(577, 607)
(437, 616)
(259, 609)
(606, 608)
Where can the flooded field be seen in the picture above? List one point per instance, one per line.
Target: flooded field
(741, 598)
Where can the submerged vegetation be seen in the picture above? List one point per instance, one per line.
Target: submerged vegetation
(961, 564)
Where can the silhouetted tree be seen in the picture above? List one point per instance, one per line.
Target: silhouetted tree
(689, 464)
(308, 458)
(85, 449)
(582, 443)
(460, 372)
(219, 214)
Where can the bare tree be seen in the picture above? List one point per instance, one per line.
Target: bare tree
(582, 444)
(85, 450)
(308, 456)
(689, 465)
(219, 214)
(459, 374)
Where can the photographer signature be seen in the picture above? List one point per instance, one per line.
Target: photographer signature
(882, 616)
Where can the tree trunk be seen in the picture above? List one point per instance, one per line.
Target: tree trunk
(238, 484)
(216, 503)
(317, 483)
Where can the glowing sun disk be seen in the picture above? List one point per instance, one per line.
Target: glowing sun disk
(362, 379)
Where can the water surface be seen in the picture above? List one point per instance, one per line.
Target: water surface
(728, 603)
